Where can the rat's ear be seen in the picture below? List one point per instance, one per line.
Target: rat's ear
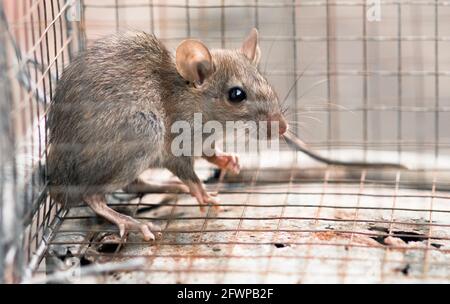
(194, 61)
(250, 47)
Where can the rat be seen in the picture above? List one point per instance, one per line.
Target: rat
(114, 106)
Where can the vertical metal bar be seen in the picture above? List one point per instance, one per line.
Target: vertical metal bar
(294, 42)
(325, 181)
(46, 218)
(169, 220)
(256, 13)
(81, 28)
(238, 229)
(44, 90)
(61, 34)
(188, 20)
(50, 93)
(391, 223)
(308, 250)
(152, 16)
(35, 57)
(69, 30)
(365, 82)
(362, 181)
(23, 121)
(5, 140)
(55, 41)
(222, 23)
(436, 87)
(31, 105)
(329, 114)
(36, 73)
(426, 259)
(47, 51)
(399, 81)
(276, 234)
(208, 216)
(117, 14)
(12, 233)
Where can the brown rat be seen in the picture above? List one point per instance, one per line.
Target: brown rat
(115, 104)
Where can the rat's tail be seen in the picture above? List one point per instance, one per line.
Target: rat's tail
(297, 144)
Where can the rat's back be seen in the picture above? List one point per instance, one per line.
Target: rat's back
(106, 121)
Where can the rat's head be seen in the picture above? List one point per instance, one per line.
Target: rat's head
(229, 81)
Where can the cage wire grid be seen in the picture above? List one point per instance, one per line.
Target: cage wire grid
(297, 222)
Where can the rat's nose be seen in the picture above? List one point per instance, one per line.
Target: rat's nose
(282, 124)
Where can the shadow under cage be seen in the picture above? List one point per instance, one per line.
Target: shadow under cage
(357, 90)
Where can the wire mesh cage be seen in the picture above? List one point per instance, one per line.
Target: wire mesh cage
(359, 87)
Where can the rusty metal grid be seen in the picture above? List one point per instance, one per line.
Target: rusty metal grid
(288, 224)
(38, 43)
(349, 227)
(399, 104)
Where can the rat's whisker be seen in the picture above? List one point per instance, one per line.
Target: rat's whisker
(270, 49)
(303, 115)
(311, 118)
(312, 87)
(297, 124)
(296, 80)
(301, 129)
(326, 106)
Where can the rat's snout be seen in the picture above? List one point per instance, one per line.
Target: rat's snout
(282, 124)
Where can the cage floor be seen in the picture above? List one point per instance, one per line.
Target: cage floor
(334, 230)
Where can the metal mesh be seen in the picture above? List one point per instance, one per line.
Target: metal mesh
(37, 42)
(363, 84)
(285, 225)
(356, 89)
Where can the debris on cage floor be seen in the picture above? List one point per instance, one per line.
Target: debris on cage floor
(330, 231)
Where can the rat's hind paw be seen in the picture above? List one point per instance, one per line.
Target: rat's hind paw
(208, 200)
(124, 222)
(148, 230)
(203, 198)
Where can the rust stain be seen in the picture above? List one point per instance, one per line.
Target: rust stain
(326, 236)
(330, 235)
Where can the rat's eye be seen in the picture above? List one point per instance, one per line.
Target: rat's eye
(236, 94)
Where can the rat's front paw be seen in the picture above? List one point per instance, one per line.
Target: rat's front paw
(226, 161)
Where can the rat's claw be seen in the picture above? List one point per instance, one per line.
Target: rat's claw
(203, 198)
(156, 229)
(121, 230)
(146, 232)
(211, 201)
(206, 199)
(126, 223)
